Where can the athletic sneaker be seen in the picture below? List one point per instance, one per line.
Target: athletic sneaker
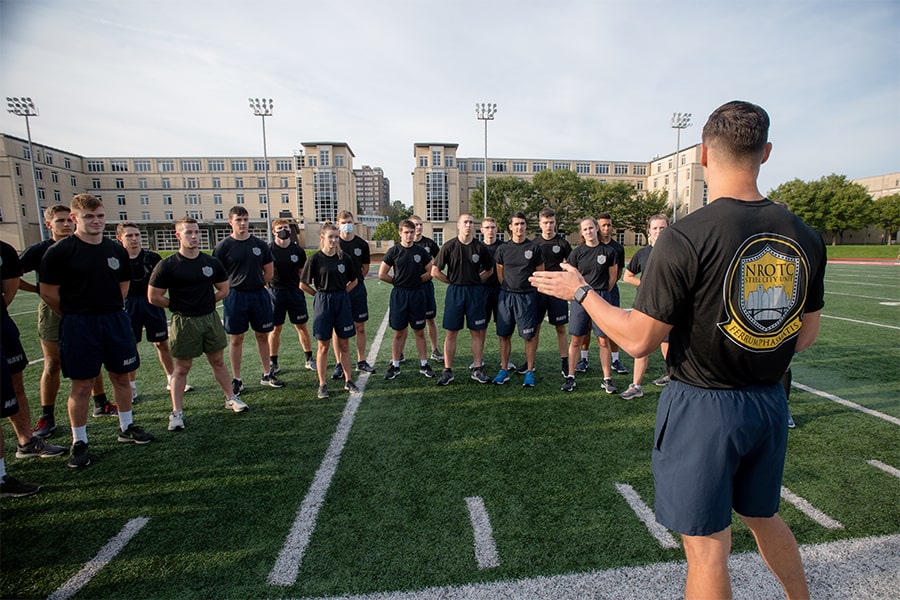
(479, 376)
(619, 368)
(523, 369)
(446, 377)
(311, 363)
(633, 391)
(338, 372)
(134, 394)
(608, 386)
(351, 387)
(662, 381)
(13, 488)
(44, 427)
(274, 368)
(564, 366)
(364, 367)
(791, 423)
(135, 434)
(391, 372)
(107, 409)
(501, 378)
(37, 448)
(270, 380)
(237, 386)
(529, 379)
(426, 371)
(187, 387)
(176, 421)
(569, 384)
(402, 358)
(437, 356)
(472, 366)
(236, 404)
(78, 456)
(581, 366)
(511, 366)
(323, 392)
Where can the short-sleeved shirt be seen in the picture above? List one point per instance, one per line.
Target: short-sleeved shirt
(141, 267)
(289, 262)
(493, 280)
(594, 264)
(31, 259)
(88, 275)
(244, 261)
(430, 245)
(464, 262)
(519, 262)
(620, 254)
(329, 273)
(190, 282)
(733, 279)
(638, 262)
(10, 267)
(556, 250)
(408, 264)
(358, 251)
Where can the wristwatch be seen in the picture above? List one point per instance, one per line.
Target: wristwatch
(581, 293)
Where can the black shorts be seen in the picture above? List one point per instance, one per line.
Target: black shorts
(359, 303)
(556, 309)
(430, 301)
(331, 314)
(9, 405)
(245, 309)
(580, 322)
(407, 308)
(491, 297)
(289, 303)
(464, 302)
(87, 342)
(143, 316)
(15, 361)
(517, 309)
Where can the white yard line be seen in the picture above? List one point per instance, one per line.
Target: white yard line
(106, 554)
(862, 322)
(485, 548)
(287, 566)
(847, 403)
(886, 468)
(809, 510)
(645, 514)
(858, 296)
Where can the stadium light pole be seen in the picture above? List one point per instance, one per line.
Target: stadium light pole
(262, 109)
(679, 121)
(485, 112)
(24, 107)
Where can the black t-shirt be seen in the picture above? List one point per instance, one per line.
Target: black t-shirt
(244, 261)
(519, 263)
(464, 262)
(88, 275)
(31, 259)
(141, 267)
(733, 279)
(556, 250)
(594, 264)
(430, 245)
(289, 262)
(358, 251)
(408, 264)
(10, 267)
(493, 280)
(329, 273)
(620, 255)
(190, 282)
(638, 262)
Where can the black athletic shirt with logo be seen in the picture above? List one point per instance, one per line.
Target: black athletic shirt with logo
(88, 275)
(594, 263)
(464, 262)
(141, 267)
(430, 245)
(244, 261)
(733, 279)
(358, 251)
(288, 264)
(519, 263)
(408, 264)
(329, 273)
(493, 280)
(190, 282)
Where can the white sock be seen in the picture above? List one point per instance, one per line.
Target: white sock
(584, 354)
(615, 356)
(423, 362)
(396, 363)
(125, 419)
(79, 434)
(134, 385)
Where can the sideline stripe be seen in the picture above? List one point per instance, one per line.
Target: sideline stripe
(106, 554)
(886, 468)
(287, 566)
(643, 512)
(858, 296)
(809, 510)
(485, 548)
(862, 322)
(847, 403)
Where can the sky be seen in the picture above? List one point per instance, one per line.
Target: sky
(573, 79)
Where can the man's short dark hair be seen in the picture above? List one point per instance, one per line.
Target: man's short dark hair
(604, 215)
(517, 215)
(547, 213)
(737, 129)
(238, 211)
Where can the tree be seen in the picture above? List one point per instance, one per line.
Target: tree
(566, 193)
(386, 231)
(397, 211)
(800, 197)
(506, 195)
(886, 214)
(634, 211)
(830, 204)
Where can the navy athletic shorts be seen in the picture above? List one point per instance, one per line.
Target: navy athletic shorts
(331, 314)
(87, 342)
(144, 315)
(430, 301)
(15, 361)
(245, 309)
(9, 405)
(556, 309)
(491, 298)
(464, 302)
(580, 322)
(359, 303)
(289, 303)
(513, 309)
(407, 308)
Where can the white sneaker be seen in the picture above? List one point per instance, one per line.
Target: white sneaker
(134, 393)
(236, 404)
(176, 421)
(187, 387)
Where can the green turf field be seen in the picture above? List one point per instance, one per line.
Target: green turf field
(222, 496)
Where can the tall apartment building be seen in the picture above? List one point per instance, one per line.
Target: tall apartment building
(373, 191)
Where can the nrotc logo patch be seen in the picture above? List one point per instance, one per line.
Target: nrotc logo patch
(764, 292)
(207, 271)
(113, 263)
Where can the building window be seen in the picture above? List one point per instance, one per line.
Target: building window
(142, 166)
(263, 199)
(582, 168)
(325, 196)
(165, 166)
(670, 163)
(263, 214)
(165, 183)
(498, 166)
(621, 169)
(339, 160)
(57, 197)
(167, 199)
(423, 160)
(41, 194)
(216, 182)
(192, 183)
(93, 166)
(23, 207)
(601, 169)
(436, 158)
(239, 199)
(260, 182)
(217, 198)
(437, 234)
(67, 162)
(285, 198)
(666, 181)
(324, 158)
(120, 199)
(167, 215)
(123, 215)
(219, 214)
(478, 166)
(120, 183)
(192, 199)
(118, 166)
(145, 215)
(39, 174)
(462, 166)
(216, 165)
(48, 158)
(640, 169)
(18, 170)
(312, 161)
(238, 165)
(284, 182)
(145, 200)
(142, 183)
(539, 166)
(21, 191)
(283, 164)
(561, 166)
(238, 182)
(95, 183)
(301, 162)
(54, 176)
(520, 166)
(640, 185)
(191, 166)
(448, 161)
(260, 165)
(73, 181)
(437, 197)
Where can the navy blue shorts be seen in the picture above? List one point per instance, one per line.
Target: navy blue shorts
(331, 314)
(556, 309)
(464, 302)
(245, 309)
(718, 450)
(580, 322)
(407, 308)
(614, 295)
(491, 298)
(430, 301)
(15, 360)
(9, 405)
(359, 303)
(144, 315)
(87, 342)
(289, 303)
(518, 309)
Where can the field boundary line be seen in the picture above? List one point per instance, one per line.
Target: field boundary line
(287, 565)
(93, 566)
(847, 403)
(885, 467)
(861, 322)
(643, 512)
(485, 547)
(804, 506)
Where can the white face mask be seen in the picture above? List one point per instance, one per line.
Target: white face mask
(346, 227)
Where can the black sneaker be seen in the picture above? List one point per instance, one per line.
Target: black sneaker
(13, 488)
(351, 387)
(569, 384)
(402, 358)
(323, 392)
(136, 435)
(338, 372)
(364, 367)
(581, 366)
(446, 377)
(608, 386)
(270, 380)
(237, 386)
(107, 409)
(78, 456)
(391, 372)
(274, 368)
(437, 356)
(479, 376)
(426, 371)
(619, 368)
(523, 369)
(564, 366)
(37, 448)
(44, 427)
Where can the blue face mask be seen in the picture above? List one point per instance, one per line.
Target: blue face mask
(347, 228)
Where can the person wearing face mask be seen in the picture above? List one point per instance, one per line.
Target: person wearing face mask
(287, 298)
(358, 250)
